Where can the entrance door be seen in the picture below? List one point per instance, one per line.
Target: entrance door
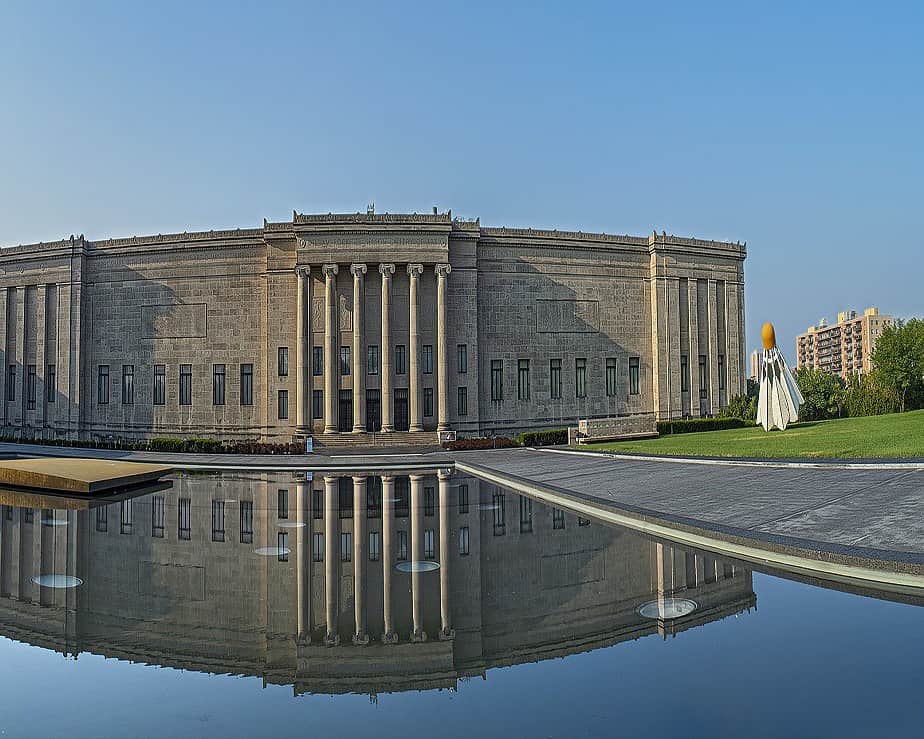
(373, 411)
(346, 411)
(402, 422)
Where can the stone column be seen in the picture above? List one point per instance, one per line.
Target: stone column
(442, 390)
(303, 566)
(386, 401)
(359, 369)
(41, 344)
(4, 357)
(414, 271)
(360, 636)
(331, 364)
(331, 558)
(417, 481)
(446, 631)
(388, 553)
(303, 349)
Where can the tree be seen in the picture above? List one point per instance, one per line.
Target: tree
(898, 360)
(823, 393)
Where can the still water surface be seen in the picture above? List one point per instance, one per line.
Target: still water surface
(202, 609)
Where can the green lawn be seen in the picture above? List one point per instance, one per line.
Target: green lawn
(895, 435)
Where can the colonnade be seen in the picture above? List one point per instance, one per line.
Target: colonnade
(358, 369)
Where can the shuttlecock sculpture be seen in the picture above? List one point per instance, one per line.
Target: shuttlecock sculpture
(779, 399)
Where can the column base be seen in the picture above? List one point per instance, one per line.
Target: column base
(332, 640)
(304, 639)
(359, 429)
(447, 634)
(331, 430)
(360, 640)
(419, 636)
(416, 428)
(390, 638)
(443, 427)
(388, 429)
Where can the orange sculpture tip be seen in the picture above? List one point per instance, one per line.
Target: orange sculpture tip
(768, 335)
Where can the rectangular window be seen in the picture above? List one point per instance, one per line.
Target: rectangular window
(344, 360)
(317, 547)
(282, 546)
(462, 401)
(102, 518)
(612, 377)
(282, 503)
(246, 384)
(184, 519)
(11, 383)
(580, 378)
(218, 520)
(500, 514)
(400, 359)
(282, 405)
(102, 384)
(703, 377)
(429, 549)
(160, 384)
(429, 500)
(30, 387)
(402, 497)
(555, 379)
(633, 375)
(317, 361)
(374, 497)
(125, 517)
(372, 360)
(402, 545)
(317, 404)
(317, 504)
(497, 379)
(157, 516)
(346, 546)
(51, 384)
(684, 374)
(128, 384)
(463, 498)
(428, 401)
(558, 518)
(522, 379)
(28, 515)
(185, 384)
(721, 370)
(246, 522)
(428, 359)
(345, 497)
(462, 356)
(218, 384)
(282, 361)
(463, 541)
(375, 546)
(526, 515)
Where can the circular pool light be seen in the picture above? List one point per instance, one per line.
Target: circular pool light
(291, 524)
(272, 551)
(667, 608)
(424, 565)
(59, 582)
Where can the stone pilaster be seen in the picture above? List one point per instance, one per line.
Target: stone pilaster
(387, 401)
(4, 355)
(360, 637)
(303, 349)
(446, 631)
(331, 558)
(417, 481)
(41, 343)
(414, 272)
(359, 369)
(303, 566)
(388, 553)
(331, 354)
(442, 276)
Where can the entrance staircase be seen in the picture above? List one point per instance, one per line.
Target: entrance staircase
(394, 439)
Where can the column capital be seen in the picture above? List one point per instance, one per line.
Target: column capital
(442, 270)
(329, 270)
(302, 270)
(415, 270)
(359, 479)
(417, 477)
(444, 474)
(387, 478)
(357, 270)
(331, 479)
(386, 270)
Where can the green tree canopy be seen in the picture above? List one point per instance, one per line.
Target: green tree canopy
(898, 361)
(823, 393)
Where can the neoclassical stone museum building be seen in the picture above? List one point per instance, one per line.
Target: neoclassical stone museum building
(342, 326)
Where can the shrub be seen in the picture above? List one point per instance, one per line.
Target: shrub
(693, 425)
(823, 394)
(868, 395)
(480, 442)
(543, 438)
(195, 445)
(740, 406)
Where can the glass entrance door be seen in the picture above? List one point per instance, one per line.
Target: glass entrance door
(401, 413)
(346, 411)
(373, 411)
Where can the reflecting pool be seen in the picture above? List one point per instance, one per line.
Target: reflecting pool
(248, 604)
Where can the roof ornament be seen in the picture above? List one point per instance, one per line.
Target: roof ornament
(370, 209)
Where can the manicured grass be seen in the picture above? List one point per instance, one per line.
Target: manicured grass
(895, 435)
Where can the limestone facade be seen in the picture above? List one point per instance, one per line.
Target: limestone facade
(365, 322)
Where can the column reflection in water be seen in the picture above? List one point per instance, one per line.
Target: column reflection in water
(162, 591)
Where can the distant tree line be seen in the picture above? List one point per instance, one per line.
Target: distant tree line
(895, 385)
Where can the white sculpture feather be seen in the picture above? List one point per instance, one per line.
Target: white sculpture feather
(779, 399)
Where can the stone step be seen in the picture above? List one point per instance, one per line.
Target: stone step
(393, 439)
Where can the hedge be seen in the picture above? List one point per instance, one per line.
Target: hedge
(543, 438)
(692, 425)
(480, 442)
(194, 445)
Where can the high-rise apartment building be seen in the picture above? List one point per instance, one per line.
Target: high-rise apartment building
(844, 348)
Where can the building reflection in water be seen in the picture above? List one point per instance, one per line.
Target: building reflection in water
(174, 578)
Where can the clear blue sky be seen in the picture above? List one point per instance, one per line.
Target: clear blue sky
(796, 127)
